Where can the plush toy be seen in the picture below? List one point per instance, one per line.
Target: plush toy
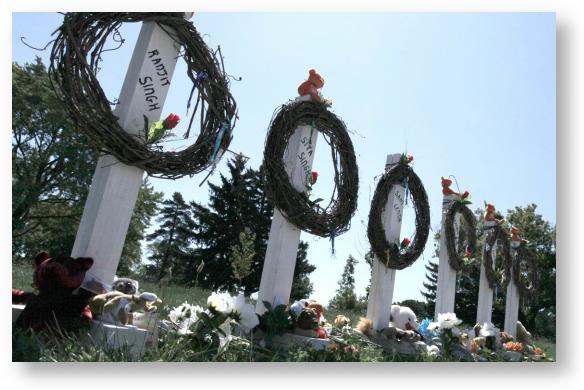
(319, 311)
(312, 85)
(446, 190)
(341, 321)
(365, 327)
(402, 317)
(490, 219)
(523, 335)
(125, 285)
(56, 278)
(116, 307)
(516, 240)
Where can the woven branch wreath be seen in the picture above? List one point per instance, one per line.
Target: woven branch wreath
(75, 60)
(526, 284)
(454, 258)
(329, 221)
(497, 233)
(390, 254)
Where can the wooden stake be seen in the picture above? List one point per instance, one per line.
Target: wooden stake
(383, 278)
(115, 186)
(278, 271)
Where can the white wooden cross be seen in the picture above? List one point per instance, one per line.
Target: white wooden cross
(485, 301)
(383, 278)
(280, 261)
(512, 300)
(446, 284)
(115, 186)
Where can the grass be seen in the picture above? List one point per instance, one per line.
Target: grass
(47, 347)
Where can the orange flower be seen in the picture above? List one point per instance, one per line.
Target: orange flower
(513, 346)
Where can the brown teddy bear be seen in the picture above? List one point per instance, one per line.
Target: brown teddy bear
(55, 304)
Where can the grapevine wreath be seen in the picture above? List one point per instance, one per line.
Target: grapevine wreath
(527, 281)
(469, 225)
(390, 254)
(309, 216)
(497, 233)
(75, 60)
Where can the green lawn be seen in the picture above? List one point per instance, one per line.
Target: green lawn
(173, 348)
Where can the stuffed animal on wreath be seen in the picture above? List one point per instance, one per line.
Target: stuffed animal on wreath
(55, 304)
(312, 86)
(115, 307)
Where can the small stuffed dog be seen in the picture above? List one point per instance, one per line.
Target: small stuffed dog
(115, 307)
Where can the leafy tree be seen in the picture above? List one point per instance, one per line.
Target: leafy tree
(542, 240)
(170, 242)
(345, 298)
(236, 202)
(52, 166)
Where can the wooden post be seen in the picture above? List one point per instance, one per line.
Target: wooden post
(485, 301)
(114, 189)
(512, 301)
(446, 284)
(278, 271)
(383, 278)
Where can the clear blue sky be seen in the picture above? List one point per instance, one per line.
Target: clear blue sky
(472, 95)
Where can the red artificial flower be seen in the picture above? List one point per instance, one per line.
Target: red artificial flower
(171, 121)
(467, 254)
(313, 177)
(410, 157)
(405, 242)
(466, 194)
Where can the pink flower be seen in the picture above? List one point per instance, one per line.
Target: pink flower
(171, 121)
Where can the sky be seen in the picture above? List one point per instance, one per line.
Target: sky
(469, 95)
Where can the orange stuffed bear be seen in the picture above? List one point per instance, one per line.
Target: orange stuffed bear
(490, 216)
(446, 191)
(312, 85)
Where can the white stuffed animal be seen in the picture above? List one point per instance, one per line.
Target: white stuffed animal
(402, 317)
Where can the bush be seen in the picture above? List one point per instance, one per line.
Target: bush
(545, 322)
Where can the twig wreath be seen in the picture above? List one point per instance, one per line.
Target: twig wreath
(335, 218)
(527, 281)
(390, 254)
(497, 234)
(454, 258)
(75, 60)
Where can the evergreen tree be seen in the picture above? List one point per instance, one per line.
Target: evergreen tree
(431, 283)
(170, 242)
(238, 201)
(146, 207)
(301, 285)
(345, 298)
